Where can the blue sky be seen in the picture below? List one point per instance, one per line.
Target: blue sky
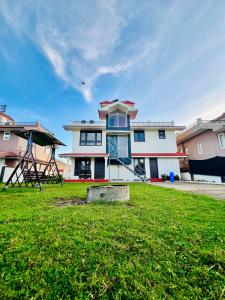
(167, 56)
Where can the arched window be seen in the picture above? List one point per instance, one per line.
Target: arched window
(118, 120)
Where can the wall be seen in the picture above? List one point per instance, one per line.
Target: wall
(2, 163)
(11, 144)
(76, 148)
(8, 172)
(153, 144)
(210, 146)
(167, 165)
(18, 146)
(207, 178)
(186, 176)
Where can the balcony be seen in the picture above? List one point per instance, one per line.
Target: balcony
(85, 124)
(198, 127)
(102, 124)
(25, 125)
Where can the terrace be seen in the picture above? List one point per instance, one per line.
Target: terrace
(21, 125)
(200, 126)
(102, 124)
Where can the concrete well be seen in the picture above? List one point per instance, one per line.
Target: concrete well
(108, 193)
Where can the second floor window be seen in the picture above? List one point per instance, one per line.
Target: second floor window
(162, 134)
(6, 136)
(199, 147)
(139, 135)
(221, 139)
(90, 138)
(118, 120)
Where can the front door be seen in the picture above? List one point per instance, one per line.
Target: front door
(99, 168)
(154, 168)
(83, 168)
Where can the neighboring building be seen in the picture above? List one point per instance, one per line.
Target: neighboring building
(204, 143)
(135, 149)
(12, 147)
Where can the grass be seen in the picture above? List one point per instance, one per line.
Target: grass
(163, 244)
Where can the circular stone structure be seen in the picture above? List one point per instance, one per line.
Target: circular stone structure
(108, 193)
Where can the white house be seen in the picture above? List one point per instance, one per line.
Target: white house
(119, 148)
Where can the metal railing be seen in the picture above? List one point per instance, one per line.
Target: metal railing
(113, 154)
(200, 122)
(89, 123)
(152, 124)
(25, 124)
(13, 123)
(103, 123)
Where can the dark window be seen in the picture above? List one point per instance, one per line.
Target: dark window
(162, 134)
(139, 166)
(90, 138)
(139, 135)
(83, 167)
(118, 120)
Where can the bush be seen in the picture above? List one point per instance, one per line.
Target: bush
(177, 177)
(165, 177)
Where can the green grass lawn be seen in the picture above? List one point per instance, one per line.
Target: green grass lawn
(163, 244)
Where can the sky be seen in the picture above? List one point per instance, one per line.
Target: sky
(166, 56)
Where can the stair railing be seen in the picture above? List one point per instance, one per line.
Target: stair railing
(113, 154)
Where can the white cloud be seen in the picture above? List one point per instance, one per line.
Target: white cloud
(79, 40)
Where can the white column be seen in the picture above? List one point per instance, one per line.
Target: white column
(147, 167)
(106, 168)
(92, 168)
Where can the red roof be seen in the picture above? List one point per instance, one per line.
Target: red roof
(128, 102)
(176, 154)
(83, 154)
(6, 116)
(106, 102)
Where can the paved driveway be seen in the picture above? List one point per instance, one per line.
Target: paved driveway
(214, 190)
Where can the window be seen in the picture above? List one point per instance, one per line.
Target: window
(90, 138)
(118, 120)
(221, 139)
(118, 146)
(139, 166)
(139, 135)
(199, 147)
(6, 136)
(162, 134)
(83, 167)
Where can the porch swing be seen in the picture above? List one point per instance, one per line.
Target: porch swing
(25, 173)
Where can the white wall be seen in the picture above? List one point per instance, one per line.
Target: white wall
(153, 144)
(76, 148)
(121, 173)
(2, 162)
(207, 178)
(186, 176)
(167, 165)
(8, 172)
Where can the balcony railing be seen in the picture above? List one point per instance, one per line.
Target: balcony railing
(89, 123)
(103, 123)
(202, 124)
(152, 124)
(12, 123)
(24, 124)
